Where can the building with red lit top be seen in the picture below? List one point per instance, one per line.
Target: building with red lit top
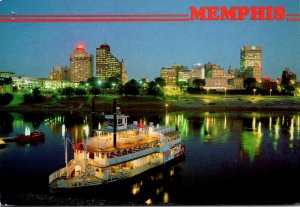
(81, 64)
(108, 66)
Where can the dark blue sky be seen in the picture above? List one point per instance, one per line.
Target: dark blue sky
(32, 49)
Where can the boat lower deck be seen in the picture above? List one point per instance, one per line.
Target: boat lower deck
(91, 180)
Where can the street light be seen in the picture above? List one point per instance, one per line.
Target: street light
(254, 90)
(166, 105)
(270, 91)
(113, 87)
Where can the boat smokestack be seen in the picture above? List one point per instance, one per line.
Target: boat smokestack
(115, 121)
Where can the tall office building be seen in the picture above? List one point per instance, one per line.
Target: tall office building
(60, 73)
(81, 64)
(198, 71)
(175, 74)
(108, 66)
(251, 62)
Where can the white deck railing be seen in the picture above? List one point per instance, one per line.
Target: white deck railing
(165, 130)
(61, 172)
(57, 174)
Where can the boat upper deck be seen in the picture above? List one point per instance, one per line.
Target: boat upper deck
(96, 144)
(126, 139)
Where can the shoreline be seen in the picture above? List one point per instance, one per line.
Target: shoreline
(193, 103)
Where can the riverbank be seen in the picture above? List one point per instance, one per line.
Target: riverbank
(149, 104)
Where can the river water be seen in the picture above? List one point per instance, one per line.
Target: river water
(231, 158)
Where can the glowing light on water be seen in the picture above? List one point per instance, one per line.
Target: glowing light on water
(63, 130)
(207, 123)
(277, 127)
(254, 123)
(167, 119)
(251, 142)
(99, 126)
(166, 197)
(259, 128)
(27, 131)
(292, 130)
(135, 189)
(171, 172)
(298, 122)
(149, 201)
(86, 130)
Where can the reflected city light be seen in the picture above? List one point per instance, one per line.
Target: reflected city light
(63, 130)
(249, 134)
(292, 129)
(27, 131)
(298, 127)
(159, 190)
(254, 123)
(148, 201)
(277, 128)
(166, 197)
(298, 123)
(167, 121)
(259, 128)
(135, 189)
(171, 172)
(250, 142)
(86, 130)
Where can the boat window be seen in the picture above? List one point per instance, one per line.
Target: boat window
(102, 155)
(91, 155)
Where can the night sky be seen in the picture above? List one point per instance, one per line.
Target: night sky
(33, 49)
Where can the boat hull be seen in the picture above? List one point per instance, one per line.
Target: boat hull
(30, 138)
(127, 180)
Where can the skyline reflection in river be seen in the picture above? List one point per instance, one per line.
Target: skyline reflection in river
(255, 154)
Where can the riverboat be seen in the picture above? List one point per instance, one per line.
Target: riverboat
(117, 152)
(32, 137)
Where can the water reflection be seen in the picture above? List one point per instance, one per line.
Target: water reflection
(251, 128)
(6, 121)
(217, 143)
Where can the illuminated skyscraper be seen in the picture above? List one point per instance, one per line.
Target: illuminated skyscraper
(81, 64)
(108, 66)
(251, 62)
(60, 73)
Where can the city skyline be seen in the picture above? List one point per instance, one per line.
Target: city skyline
(33, 49)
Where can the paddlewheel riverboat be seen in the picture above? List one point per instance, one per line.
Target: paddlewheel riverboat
(117, 152)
